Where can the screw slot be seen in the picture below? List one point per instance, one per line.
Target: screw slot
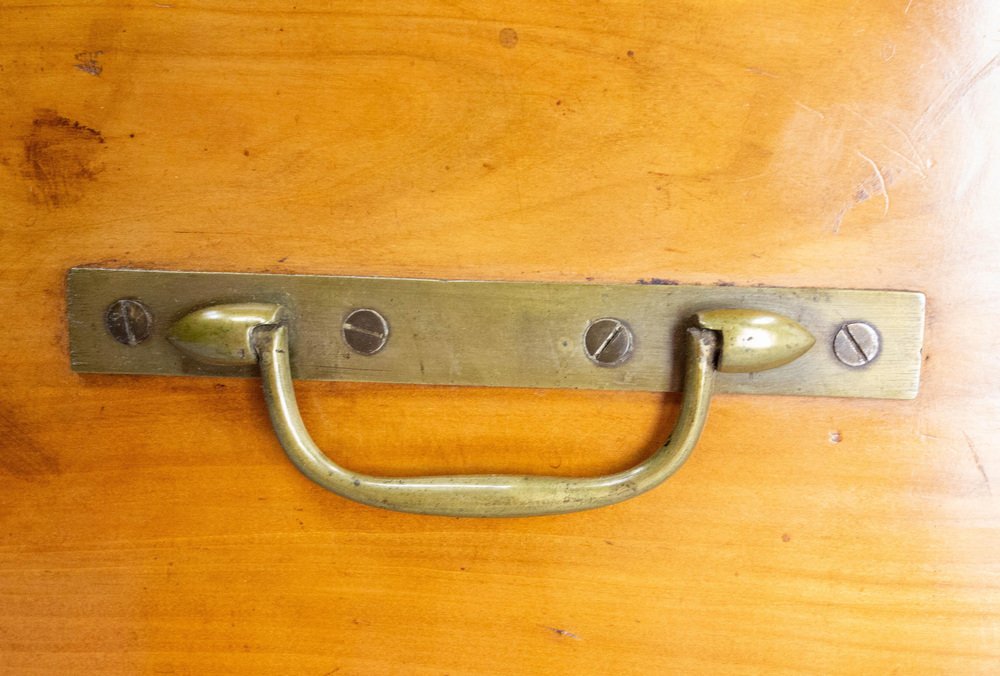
(365, 331)
(608, 341)
(128, 321)
(856, 344)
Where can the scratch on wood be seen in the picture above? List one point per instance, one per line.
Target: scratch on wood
(879, 177)
(979, 463)
(810, 109)
(838, 220)
(563, 633)
(917, 161)
(907, 160)
(920, 162)
(957, 89)
(758, 71)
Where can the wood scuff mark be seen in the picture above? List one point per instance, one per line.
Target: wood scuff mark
(979, 463)
(880, 178)
(563, 633)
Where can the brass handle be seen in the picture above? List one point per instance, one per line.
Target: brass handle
(240, 334)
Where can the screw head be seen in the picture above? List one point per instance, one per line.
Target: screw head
(856, 344)
(365, 331)
(608, 341)
(128, 321)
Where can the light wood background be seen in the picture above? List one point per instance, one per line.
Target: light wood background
(153, 525)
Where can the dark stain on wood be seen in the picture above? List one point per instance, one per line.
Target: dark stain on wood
(21, 456)
(61, 156)
(508, 38)
(88, 63)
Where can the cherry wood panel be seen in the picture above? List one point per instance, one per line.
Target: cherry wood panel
(153, 525)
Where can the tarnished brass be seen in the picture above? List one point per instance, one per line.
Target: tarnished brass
(755, 340)
(509, 334)
(225, 332)
(503, 495)
(228, 333)
(220, 334)
(485, 495)
(240, 334)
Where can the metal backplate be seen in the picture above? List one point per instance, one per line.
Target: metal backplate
(507, 334)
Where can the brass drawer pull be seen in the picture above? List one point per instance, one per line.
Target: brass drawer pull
(725, 340)
(647, 337)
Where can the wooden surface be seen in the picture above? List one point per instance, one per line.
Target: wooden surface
(153, 525)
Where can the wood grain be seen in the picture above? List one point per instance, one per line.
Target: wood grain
(152, 525)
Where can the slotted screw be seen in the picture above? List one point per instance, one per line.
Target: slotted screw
(365, 331)
(128, 321)
(856, 344)
(608, 341)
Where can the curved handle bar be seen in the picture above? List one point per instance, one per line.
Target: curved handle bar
(483, 494)
(727, 340)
